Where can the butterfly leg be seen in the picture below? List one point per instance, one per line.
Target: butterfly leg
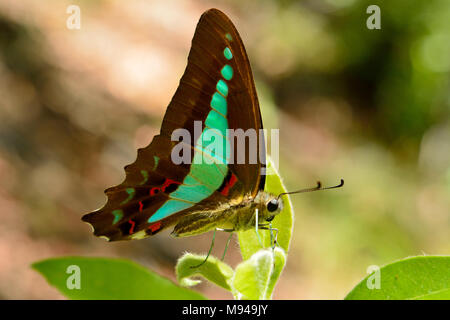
(228, 241)
(273, 240)
(256, 228)
(209, 252)
(275, 243)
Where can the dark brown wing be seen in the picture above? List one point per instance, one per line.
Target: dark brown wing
(244, 112)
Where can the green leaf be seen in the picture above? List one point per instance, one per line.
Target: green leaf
(248, 239)
(213, 270)
(105, 279)
(252, 277)
(421, 277)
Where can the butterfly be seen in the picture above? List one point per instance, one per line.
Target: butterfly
(218, 90)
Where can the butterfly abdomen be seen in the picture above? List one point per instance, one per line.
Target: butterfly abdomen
(201, 222)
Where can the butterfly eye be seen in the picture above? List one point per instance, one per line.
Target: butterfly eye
(272, 205)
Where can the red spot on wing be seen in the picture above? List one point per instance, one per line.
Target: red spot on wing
(229, 184)
(155, 227)
(141, 206)
(166, 184)
(132, 226)
(154, 191)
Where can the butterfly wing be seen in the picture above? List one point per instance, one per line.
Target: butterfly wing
(216, 89)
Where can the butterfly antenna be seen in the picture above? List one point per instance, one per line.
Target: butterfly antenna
(317, 188)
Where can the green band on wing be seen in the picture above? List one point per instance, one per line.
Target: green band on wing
(118, 214)
(215, 120)
(219, 103)
(190, 181)
(227, 53)
(130, 192)
(214, 155)
(222, 87)
(193, 193)
(207, 170)
(213, 144)
(156, 159)
(168, 208)
(227, 72)
(145, 175)
(229, 37)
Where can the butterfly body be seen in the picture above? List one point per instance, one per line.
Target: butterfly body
(216, 90)
(230, 217)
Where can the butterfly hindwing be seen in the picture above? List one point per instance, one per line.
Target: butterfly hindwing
(147, 186)
(217, 91)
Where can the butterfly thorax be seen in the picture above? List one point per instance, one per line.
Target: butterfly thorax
(238, 216)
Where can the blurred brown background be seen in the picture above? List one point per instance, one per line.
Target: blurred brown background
(370, 106)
